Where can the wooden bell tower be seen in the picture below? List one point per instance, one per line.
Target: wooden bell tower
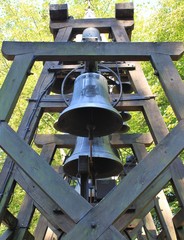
(125, 212)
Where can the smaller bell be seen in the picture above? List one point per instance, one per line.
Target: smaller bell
(124, 128)
(126, 86)
(125, 116)
(105, 160)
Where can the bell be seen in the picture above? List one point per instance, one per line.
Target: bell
(56, 87)
(105, 159)
(90, 109)
(125, 116)
(126, 86)
(124, 128)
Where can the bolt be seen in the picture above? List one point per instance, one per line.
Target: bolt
(93, 225)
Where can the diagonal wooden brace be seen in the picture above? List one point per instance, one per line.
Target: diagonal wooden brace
(106, 212)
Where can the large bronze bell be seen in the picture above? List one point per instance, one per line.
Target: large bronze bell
(90, 109)
(104, 158)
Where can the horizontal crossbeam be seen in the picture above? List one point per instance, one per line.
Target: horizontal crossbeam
(118, 140)
(98, 51)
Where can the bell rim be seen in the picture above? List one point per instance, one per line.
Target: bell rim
(117, 118)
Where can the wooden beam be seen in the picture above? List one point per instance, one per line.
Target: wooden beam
(165, 216)
(6, 193)
(144, 203)
(124, 11)
(117, 140)
(43, 175)
(98, 51)
(7, 235)
(159, 130)
(79, 25)
(161, 203)
(170, 81)
(149, 227)
(112, 234)
(58, 12)
(178, 219)
(9, 220)
(13, 84)
(140, 178)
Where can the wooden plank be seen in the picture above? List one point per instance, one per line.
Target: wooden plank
(98, 51)
(144, 203)
(117, 140)
(124, 11)
(140, 178)
(159, 130)
(178, 219)
(133, 233)
(50, 235)
(7, 235)
(27, 208)
(13, 84)
(119, 33)
(9, 220)
(149, 227)
(6, 195)
(177, 174)
(43, 175)
(45, 205)
(112, 234)
(79, 25)
(41, 228)
(170, 81)
(165, 216)
(161, 204)
(58, 12)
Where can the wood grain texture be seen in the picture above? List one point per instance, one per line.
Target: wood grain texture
(140, 178)
(98, 51)
(13, 85)
(43, 175)
(170, 81)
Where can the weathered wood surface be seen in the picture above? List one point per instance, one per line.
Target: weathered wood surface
(178, 219)
(13, 85)
(159, 131)
(98, 51)
(119, 33)
(124, 11)
(117, 140)
(140, 178)
(58, 12)
(41, 228)
(79, 25)
(42, 174)
(144, 203)
(165, 216)
(43, 202)
(7, 235)
(112, 234)
(9, 220)
(160, 201)
(171, 82)
(6, 191)
(149, 227)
